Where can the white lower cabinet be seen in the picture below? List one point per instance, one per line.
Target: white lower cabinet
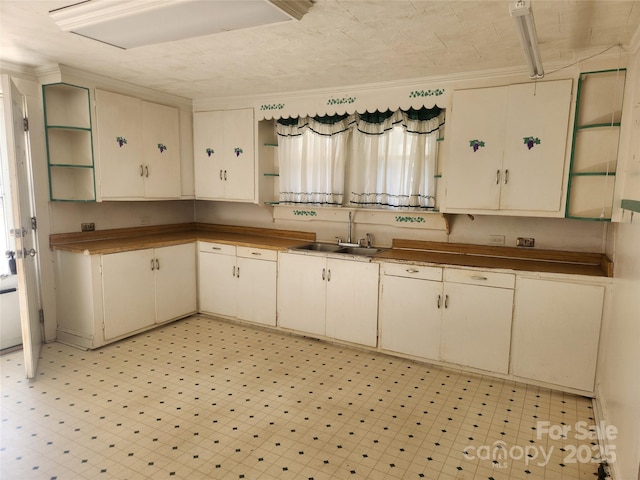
(465, 319)
(476, 319)
(331, 297)
(144, 287)
(101, 298)
(410, 315)
(556, 330)
(237, 282)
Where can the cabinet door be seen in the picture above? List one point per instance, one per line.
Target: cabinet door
(533, 172)
(239, 169)
(352, 301)
(256, 290)
(410, 316)
(129, 292)
(208, 154)
(217, 283)
(119, 145)
(556, 329)
(476, 326)
(473, 174)
(161, 151)
(301, 292)
(175, 281)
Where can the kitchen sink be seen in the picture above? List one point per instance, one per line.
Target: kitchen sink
(319, 247)
(365, 251)
(333, 248)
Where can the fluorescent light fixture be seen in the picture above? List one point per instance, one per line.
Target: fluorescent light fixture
(135, 23)
(523, 15)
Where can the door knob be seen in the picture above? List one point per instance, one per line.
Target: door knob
(31, 252)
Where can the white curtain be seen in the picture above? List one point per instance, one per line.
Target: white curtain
(312, 157)
(393, 161)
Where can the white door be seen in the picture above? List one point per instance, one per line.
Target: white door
(161, 151)
(175, 281)
(217, 283)
(119, 145)
(256, 290)
(208, 149)
(128, 291)
(239, 172)
(302, 287)
(410, 316)
(27, 263)
(475, 145)
(556, 330)
(533, 171)
(352, 301)
(476, 326)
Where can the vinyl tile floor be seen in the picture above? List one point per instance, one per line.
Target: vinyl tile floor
(204, 398)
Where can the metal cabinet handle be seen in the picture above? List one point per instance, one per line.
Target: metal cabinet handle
(146, 169)
(323, 273)
(153, 265)
(497, 177)
(478, 277)
(157, 264)
(238, 272)
(412, 270)
(439, 300)
(506, 176)
(446, 301)
(141, 171)
(256, 253)
(225, 175)
(216, 248)
(329, 275)
(234, 271)
(220, 174)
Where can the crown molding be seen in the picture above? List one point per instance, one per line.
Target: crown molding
(18, 70)
(66, 73)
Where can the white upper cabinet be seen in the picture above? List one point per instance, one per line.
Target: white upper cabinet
(139, 148)
(507, 149)
(224, 155)
(161, 151)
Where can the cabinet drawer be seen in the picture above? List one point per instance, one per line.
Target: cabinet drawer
(412, 271)
(257, 253)
(211, 247)
(475, 277)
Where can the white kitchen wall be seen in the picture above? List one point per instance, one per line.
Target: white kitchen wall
(550, 233)
(67, 216)
(617, 382)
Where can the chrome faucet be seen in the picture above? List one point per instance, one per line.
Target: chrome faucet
(348, 243)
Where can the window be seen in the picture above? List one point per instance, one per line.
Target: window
(312, 154)
(390, 158)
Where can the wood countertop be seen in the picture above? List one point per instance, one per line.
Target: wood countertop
(138, 238)
(548, 261)
(480, 256)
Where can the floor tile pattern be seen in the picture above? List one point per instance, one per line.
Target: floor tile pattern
(203, 398)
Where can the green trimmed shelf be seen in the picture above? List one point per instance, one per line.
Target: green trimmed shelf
(632, 205)
(593, 174)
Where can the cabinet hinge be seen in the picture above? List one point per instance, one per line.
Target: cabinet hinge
(25, 122)
(41, 316)
(34, 223)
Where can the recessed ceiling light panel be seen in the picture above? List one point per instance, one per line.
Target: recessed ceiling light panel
(135, 23)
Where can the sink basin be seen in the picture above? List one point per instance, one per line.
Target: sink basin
(364, 251)
(319, 247)
(333, 248)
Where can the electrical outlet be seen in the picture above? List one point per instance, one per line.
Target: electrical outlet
(88, 227)
(145, 220)
(496, 239)
(525, 242)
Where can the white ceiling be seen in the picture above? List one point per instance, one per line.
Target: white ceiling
(339, 42)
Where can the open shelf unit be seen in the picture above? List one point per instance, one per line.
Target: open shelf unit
(594, 154)
(69, 140)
